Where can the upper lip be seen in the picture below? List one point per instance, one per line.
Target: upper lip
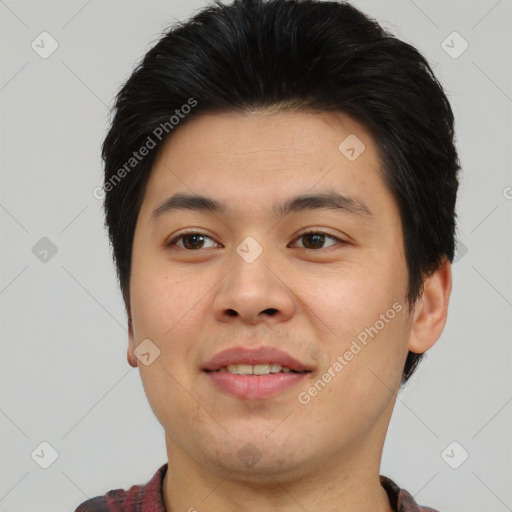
(260, 355)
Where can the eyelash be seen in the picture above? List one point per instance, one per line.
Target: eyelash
(310, 232)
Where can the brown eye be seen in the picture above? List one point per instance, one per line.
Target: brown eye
(316, 239)
(190, 241)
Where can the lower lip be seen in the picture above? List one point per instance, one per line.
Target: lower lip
(253, 387)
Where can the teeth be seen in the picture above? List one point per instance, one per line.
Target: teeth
(261, 369)
(257, 369)
(241, 369)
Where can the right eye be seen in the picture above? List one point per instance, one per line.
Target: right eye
(191, 241)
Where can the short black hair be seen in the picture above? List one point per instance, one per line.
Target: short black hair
(292, 55)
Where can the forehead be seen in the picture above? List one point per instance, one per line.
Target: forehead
(290, 134)
(259, 159)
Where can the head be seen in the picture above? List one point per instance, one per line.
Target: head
(253, 103)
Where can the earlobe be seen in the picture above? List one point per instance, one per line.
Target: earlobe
(130, 353)
(431, 310)
(132, 360)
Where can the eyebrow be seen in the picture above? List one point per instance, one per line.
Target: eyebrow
(324, 200)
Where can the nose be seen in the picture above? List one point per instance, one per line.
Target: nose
(253, 293)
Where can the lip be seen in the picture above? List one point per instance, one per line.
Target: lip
(260, 355)
(254, 387)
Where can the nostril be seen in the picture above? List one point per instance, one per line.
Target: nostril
(271, 311)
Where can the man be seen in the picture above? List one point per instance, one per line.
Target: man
(280, 181)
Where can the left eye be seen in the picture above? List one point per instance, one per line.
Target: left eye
(316, 238)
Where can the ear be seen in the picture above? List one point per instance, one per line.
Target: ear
(431, 309)
(130, 355)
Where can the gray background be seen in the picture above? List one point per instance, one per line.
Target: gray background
(64, 375)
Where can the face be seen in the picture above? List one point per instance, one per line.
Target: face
(323, 280)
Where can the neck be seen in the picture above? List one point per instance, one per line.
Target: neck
(339, 482)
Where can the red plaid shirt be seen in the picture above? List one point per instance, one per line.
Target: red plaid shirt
(149, 498)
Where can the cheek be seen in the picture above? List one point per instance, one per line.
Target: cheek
(168, 307)
(363, 320)
(164, 309)
(350, 300)
(160, 300)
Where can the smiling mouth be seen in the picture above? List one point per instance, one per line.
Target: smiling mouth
(255, 382)
(256, 369)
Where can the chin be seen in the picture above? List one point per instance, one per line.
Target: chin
(259, 459)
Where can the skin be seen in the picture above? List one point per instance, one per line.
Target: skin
(193, 301)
